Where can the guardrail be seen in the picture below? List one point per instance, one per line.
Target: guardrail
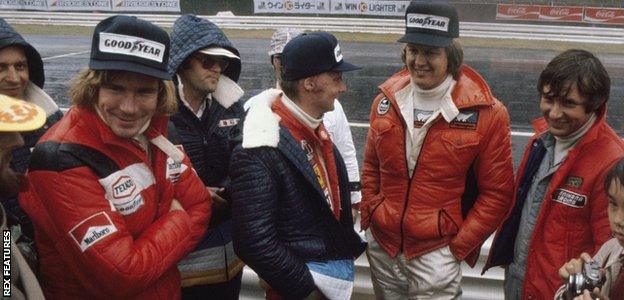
(603, 35)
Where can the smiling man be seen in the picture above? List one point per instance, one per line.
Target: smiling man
(290, 198)
(560, 202)
(115, 205)
(437, 174)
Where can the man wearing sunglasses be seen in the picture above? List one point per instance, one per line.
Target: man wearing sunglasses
(206, 67)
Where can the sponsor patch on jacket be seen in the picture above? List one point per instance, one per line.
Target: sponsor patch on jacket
(132, 46)
(569, 198)
(174, 170)
(123, 188)
(574, 181)
(228, 122)
(421, 117)
(383, 107)
(92, 229)
(466, 119)
(308, 150)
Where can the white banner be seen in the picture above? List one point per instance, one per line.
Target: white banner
(79, 5)
(24, 4)
(292, 6)
(369, 7)
(146, 5)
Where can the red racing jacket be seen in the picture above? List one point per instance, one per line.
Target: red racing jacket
(461, 186)
(573, 215)
(100, 209)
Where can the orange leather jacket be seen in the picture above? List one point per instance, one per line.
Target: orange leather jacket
(461, 188)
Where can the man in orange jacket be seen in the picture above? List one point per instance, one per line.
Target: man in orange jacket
(437, 175)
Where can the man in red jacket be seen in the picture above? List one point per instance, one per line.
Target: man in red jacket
(114, 204)
(560, 204)
(437, 175)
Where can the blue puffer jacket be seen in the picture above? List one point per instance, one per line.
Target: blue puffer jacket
(208, 141)
(281, 218)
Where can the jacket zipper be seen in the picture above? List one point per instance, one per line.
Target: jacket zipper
(409, 186)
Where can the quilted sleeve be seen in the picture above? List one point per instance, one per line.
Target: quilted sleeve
(371, 191)
(255, 203)
(92, 239)
(191, 192)
(494, 171)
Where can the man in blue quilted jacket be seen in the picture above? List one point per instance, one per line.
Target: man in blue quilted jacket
(291, 204)
(206, 67)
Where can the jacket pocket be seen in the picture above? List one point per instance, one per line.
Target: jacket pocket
(446, 224)
(369, 209)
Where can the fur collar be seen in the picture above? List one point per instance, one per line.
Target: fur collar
(226, 93)
(36, 95)
(261, 126)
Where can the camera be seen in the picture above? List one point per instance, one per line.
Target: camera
(588, 279)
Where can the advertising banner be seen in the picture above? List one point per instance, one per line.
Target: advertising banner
(604, 15)
(24, 4)
(79, 5)
(292, 6)
(146, 5)
(561, 13)
(517, 12)
(366, 7)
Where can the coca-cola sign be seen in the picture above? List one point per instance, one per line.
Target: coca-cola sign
(517, 12)
(561, 13)
(604, 15)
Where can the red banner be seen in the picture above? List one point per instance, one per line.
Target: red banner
(517, 12)
(561, 13)
(604, 15)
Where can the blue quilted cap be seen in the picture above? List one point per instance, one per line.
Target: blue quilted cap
(127, 43)
(191, 34)
(311, 54)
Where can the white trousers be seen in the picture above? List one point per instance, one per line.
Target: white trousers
(435, 275)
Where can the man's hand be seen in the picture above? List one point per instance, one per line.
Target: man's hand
(216, 197)
(574, 266)
(595, 295)
(175, 205)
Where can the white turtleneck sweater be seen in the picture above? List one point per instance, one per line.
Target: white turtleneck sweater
(564, 144)
(427, 106)
(300, 114)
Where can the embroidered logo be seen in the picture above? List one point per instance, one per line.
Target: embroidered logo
(132, 46)
(337, 53)
(228, 122)
(383, 107)
(574, 181)
(174, 169)
(123, 187)
(427, 22)
(421, 117)
(569, 198)
(466, 119)
(308, 150)
(92, 229)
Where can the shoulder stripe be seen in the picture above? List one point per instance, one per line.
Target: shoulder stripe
(58, 157)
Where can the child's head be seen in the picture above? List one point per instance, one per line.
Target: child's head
(614, 187)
